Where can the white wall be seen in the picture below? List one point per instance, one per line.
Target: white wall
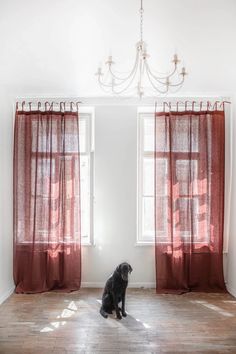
(6, 282)
(52, 48)
(115, 200)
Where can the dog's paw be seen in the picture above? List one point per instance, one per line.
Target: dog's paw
(103, 313)
(118, 317)
(124, 314)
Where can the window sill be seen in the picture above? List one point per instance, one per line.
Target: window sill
(144, 243)
(89, 244)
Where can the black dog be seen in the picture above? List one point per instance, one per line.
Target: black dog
(114, 291)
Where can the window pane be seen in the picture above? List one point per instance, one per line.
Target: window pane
(162, 140)
(85, 195)
(148, 217)
(185, 134)
(186, 175)
(44, 136)
(82, 135)
(71, 143)
(161, 176)
(161, 216)
(148, 134)
(186, 217)
(45, 178)
(148, 176)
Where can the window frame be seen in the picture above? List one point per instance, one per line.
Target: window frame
(88, 114)
(142, 112)
(149, 113)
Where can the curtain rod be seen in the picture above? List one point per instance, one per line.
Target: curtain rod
(73, 105)
(48, 106)
(190, 105)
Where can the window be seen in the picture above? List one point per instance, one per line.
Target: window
(47, 167)
(185, 179)
(145, 225)
(86, 174)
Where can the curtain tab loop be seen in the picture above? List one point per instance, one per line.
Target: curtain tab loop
(223, 104)
(77, 105)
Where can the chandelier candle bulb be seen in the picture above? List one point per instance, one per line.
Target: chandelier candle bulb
(167, 82)
(183, 72)
(110, 61)
(99, 72)
(176, 59)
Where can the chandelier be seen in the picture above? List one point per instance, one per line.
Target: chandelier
(141, 74)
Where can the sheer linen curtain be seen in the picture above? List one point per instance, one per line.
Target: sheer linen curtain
(47, 239)
(189, 201)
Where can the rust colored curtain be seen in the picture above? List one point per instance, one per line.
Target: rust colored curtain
(189, 201)
(47, 247)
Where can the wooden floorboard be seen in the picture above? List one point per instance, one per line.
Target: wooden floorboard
(59, 323)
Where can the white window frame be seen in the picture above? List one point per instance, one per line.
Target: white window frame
(87, 114)
(143, 112)
(148, 113)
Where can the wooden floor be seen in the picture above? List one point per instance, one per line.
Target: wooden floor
(71, 323)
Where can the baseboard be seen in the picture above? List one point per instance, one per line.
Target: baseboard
(131, 285)
(231, 290)
(6, 294)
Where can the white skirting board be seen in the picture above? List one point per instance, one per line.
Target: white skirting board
(130, 285)
(100, 285)
(6, 294)
(231, 291)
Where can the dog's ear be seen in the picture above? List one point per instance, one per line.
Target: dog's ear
(130, 268)
(118, 268)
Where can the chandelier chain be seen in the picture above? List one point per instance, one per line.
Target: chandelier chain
(141, 21)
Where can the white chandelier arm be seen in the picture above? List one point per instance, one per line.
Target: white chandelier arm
(159, 78)
(150, 74)
(104, 84)
(127, 77)
(163, 75)
(179, 83)
(154, 86)
(167, 78)
(112, 87)
(117, 92)
(176, 89)
(177, 86)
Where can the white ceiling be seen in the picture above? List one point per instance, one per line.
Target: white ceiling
(54, 47)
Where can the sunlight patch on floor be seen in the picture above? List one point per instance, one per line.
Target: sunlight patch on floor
(47, 329)
(214, 308)
(145, 325)
(66, 313)
(72, 306)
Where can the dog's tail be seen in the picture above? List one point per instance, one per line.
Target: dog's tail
(103, 313)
